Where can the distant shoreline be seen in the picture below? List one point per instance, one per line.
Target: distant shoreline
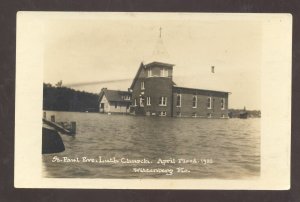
(65, 99)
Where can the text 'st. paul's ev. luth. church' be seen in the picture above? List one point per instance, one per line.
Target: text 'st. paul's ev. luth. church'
(154, 93)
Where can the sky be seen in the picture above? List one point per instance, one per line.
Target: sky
(89, 53)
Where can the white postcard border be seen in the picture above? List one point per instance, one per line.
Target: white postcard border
(275, 94)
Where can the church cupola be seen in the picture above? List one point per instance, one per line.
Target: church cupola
(159, 69)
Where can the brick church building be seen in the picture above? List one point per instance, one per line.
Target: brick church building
(154, 93)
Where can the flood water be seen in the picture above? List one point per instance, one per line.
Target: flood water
(206, 148)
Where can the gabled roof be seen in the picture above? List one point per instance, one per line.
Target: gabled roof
(114, 95)
(137, 75)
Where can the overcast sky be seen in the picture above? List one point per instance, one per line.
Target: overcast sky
(92, 53)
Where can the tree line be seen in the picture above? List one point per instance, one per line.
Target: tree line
(59, 98)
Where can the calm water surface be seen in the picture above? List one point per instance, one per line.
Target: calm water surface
(232, 144)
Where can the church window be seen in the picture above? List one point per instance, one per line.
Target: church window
(209, 104)
(162, 101)
(194, 101)
(148, 101)
(142, 85)
(135, 104)
(178, 100)
(164, 72)
(149, 73)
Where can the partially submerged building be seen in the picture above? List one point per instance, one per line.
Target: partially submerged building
(114, 101)
(154, 93)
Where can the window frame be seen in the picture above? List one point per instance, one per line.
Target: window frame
(196, 100)
(149, 72)
(142, 85)
(223, 101)
(135, 102)
(164, 72)
(163, 101)
(126, 97)
(148, 101)
(210, 103)
(178, 94)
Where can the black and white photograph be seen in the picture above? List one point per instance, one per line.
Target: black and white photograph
(148, 96)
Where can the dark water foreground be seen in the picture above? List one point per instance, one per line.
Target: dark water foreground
(120, 146)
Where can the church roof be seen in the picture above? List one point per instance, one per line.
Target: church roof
(154, 63)
(137, 75)
(160, 53)
(199, 89)
(159, 57)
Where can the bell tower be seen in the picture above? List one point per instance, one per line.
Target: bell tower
(158, 81)
(153, 84)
